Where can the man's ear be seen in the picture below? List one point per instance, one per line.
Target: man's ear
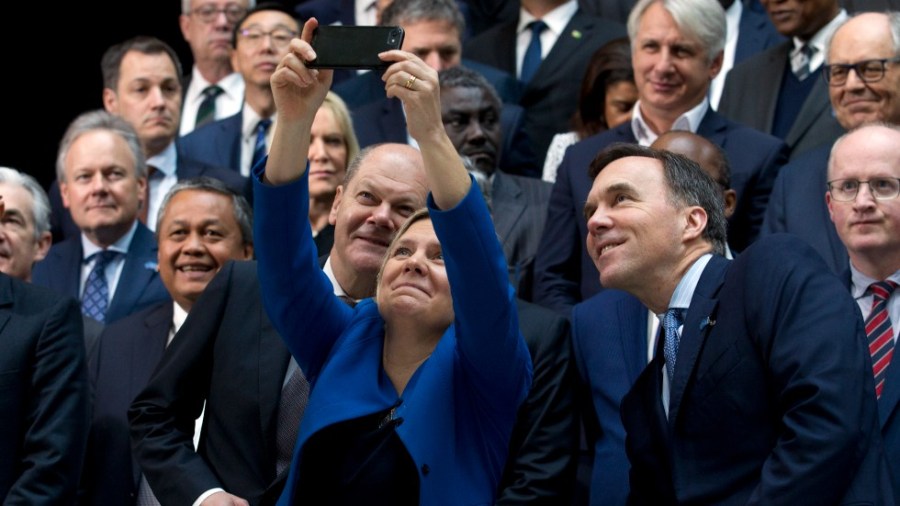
(338, 195)
(829, 203)
(110, 101)
(730, 197)
(695, 223)
(43, 246)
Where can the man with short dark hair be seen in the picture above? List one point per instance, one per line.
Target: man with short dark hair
(735, 406)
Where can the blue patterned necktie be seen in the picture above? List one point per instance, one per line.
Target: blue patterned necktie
(671, 321)
(95, 299)
(532, 59)
(207, 110)
(259, 149)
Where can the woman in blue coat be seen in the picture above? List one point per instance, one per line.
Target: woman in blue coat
(413, 393)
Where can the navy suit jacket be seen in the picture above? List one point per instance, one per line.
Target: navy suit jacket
(797, 206)
(384, 121)
(609, 336)
(751, 95)
(755, 34)
(551, 97)
(120, 365)
(772, 400)
(44, 395)
(63, 227)
(565, 274)
(217, 143)
(139, 283)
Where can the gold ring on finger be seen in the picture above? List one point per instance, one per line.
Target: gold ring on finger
(410, 82)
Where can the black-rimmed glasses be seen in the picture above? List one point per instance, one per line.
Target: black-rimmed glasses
(868, 71)
(207, 13)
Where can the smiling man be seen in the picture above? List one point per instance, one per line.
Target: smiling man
(733, 408)
(202, 225)
(111, 264)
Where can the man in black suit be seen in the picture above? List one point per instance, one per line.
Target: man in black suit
(780, 91)
(674, 59)
(202, 225)
(141, 83)
(735, 407)
(111, 263)
(45, 397)
(797, 205)
(551, 91)
(541, 458)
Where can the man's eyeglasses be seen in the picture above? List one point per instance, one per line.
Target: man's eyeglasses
(281, 37)
(868, 71)
(208, 13)
(882, 188)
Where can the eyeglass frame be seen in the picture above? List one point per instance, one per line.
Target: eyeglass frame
(826, 70)
(859, 184)
(270, 34)
(212, 12)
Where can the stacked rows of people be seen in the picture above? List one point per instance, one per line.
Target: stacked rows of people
(517, 342)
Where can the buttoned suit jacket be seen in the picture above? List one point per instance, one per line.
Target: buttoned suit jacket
(384, 121)
(772, 400)
(44, 395)
(120, 365)
(751, 94)
(565, 273)
(609, 336)
(797, 206)
(63, 227)
(139, 283)
(551, 97)
(227, 354)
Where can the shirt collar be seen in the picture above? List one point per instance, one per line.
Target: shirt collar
(690, 121)
(859, 282)
(166, 161)
(338, 289)
(556, 20)
(232, 85)
(820, 39)
(251, 121)
(88, 248)
(179, 315)
(684, 292)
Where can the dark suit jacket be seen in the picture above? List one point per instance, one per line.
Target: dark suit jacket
(609, 335)
(797, 206)
(217, 143)
(62, 227)
(120, 366)
(751, 93)
(550, 99)
(755, 34)
(383, 121)
(44, 395)
(759, 413)
(139, 284)
(228, 355)
(565, 274)
(519, 211)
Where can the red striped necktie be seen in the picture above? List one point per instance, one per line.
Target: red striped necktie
(879, 332)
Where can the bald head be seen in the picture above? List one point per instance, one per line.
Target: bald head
(709, 156)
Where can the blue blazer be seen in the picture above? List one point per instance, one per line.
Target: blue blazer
(755, 34)
(384, 121)
(797, 206)
(772, 400)
(217, 143)
(120, 365)
(139, 284)
(609, 336)
(565, 274)
(460, 405)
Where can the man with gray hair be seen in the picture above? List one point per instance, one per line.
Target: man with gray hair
(111, 265)
(737, 406)
(676, 51)
(25, 226)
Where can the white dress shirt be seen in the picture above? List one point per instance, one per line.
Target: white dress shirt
(556, 21)
(689, 121)
(228, 103)
(161, 181)
(248, 137)
(732, 31)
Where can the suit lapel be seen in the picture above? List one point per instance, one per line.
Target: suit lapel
(772, 72)
(816, 104)
(508, 205)
(566, 45)
(505, 48)
(713, 127)
(138, 271)
(695, 330)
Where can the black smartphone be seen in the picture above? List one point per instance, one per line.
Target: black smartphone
(353, 47)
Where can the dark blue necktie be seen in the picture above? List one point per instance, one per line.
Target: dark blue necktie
(671, 321)
(207, 110)
(259, 149)
(532, 59)
(95, 299)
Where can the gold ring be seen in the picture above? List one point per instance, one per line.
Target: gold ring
(409, 82)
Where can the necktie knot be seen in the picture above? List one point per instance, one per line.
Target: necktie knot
(672, 320)
(103, 258)
(882, 290)
(207, 110)
(95, 299)
(263, 126)
(212, 91)
(533, 53)
(800, 61)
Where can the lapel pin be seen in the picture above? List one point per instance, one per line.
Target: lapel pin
(708, 322)
(151, 266)
(576, 34)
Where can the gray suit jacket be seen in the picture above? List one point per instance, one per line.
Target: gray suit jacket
(751, 93)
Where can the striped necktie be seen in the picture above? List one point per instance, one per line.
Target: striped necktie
(879, 332)
(207, 110)
(259, 149)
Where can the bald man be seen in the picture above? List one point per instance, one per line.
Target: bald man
(607, 330)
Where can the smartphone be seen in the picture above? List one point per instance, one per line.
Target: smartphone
(353, 47)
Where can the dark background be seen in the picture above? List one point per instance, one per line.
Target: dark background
(51, 57)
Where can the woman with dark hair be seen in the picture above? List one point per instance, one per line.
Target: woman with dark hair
(607, 96)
